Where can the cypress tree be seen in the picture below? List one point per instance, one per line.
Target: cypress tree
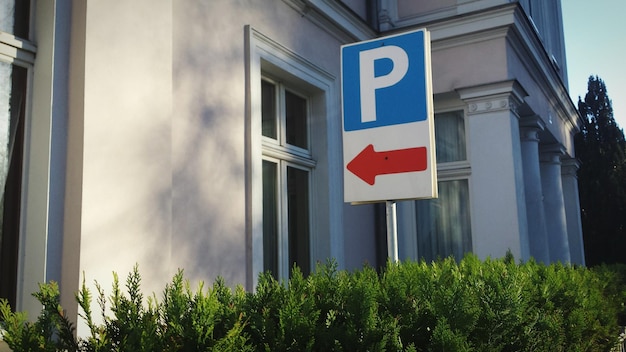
(601, 149)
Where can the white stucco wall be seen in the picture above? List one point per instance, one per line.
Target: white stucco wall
(127, 154)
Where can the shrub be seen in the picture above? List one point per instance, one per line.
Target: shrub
(472, 305)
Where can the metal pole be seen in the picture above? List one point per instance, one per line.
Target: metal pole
(392, 231)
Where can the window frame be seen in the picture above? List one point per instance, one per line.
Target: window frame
(283, 252)
(15, 173)
(268, 58)
(455, 169)
(21, 52)
(44, 55)
(278, 147)
(285, 155)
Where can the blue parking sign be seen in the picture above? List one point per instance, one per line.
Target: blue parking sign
(384, 81)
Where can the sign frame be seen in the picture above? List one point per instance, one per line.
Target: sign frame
(388, 143)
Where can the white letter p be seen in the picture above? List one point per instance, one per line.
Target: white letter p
(369, 83)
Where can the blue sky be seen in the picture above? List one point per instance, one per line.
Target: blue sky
(595, 44)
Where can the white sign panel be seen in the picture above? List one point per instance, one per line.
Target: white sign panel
(388, 129)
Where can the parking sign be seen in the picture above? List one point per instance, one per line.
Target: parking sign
(388, 135)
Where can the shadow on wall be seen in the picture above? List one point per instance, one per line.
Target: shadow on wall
(163, 178)
(208, 145)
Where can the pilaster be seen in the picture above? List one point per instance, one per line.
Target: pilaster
(498, 208)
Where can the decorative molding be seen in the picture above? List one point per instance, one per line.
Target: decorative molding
(530, 127)
(527, 44)
(499, 96)
(491, 104)
(468, 12)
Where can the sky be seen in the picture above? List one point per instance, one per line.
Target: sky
(595, 45)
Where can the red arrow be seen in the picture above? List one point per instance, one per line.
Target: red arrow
(370, 163)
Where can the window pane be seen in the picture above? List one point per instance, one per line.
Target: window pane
(296, 120)
(14, 16)
(270, 217)
(450, 137)
(443, 224)
(12, 102)
(268, 109)
(298, 213)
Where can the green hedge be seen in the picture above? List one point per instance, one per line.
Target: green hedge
(492, 305)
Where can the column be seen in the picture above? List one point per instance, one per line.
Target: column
(569, 167)
(537, 236)
(554, 204)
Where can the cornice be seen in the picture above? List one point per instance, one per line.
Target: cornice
(456, 30)
(471, 24)
(509, 87)
(460, 9)
(525, 41)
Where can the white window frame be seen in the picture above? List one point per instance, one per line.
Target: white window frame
(286, 155)
(266, 57)
(21, 52)
(43, 106)
(279, 148)
(284, 266)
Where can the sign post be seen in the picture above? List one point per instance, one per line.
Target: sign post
(388, 127)
(392, 230)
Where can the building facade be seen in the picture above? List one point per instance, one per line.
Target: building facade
(206, 135)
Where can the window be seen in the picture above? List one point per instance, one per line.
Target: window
(443, 225)
(13, 28)
(12, 102)
(450, 137)
(14, 18)
(294, 200)
(287, 167)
